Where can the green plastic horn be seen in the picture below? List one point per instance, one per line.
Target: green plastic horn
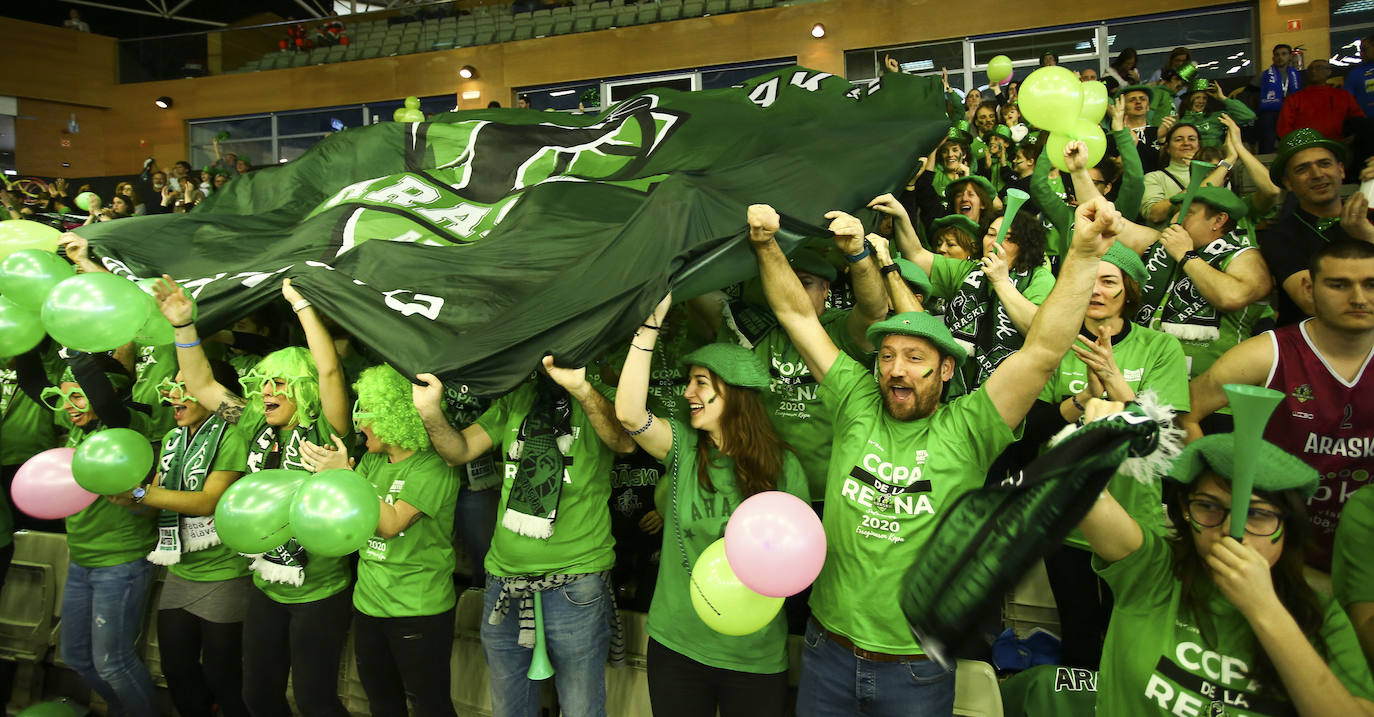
(1251, 406)
(540, 666)
(1197, 171)
(1015, 198)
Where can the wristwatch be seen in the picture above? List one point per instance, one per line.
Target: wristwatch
(1188, 256)
(1225, 164)
(888, 269)
(139, 492)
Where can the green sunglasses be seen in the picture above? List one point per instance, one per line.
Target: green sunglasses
(55, 397)
(168, 386)
(361, 417)
(254, 382)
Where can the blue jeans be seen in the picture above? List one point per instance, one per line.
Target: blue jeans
(834, 681)
(577, 632)
(102, 613)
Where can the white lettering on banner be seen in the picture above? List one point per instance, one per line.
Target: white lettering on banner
(765, 94)
(902, 504)
(253, 278)
(1223, 668)
(1161, 692)
(790, 369)
(808, 81)
(1353, 447)
(406, 192)
(195, 286)
(902, 476)
(428, 306)
(352, 191)
(462, 218)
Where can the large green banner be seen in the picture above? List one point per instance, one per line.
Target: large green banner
(471, 244)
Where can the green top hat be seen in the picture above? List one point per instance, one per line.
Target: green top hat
(733, 363)
(1275, 468)
(1127, 261)
(1188, 71)
(1298, 140)
(1199, 84)
(811, 262)
(921, 325)
(1218, 198)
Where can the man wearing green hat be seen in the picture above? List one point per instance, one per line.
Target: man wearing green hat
(899, 458)
(1204, 280)
(1311, 167)
(1321, 365)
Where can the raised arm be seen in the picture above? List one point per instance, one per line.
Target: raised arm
(903, 232)
(455, 447)
(78, 252)
(1076, 159)
(333, 384)
(632, 394)
(901, 296)
(176, 305)
(1132, 186)
(1248, 363)
(1020, 310)
(100, 393)
(186, 502)
(870, 298)
(1266, 193)
(786, 296)
(1245, 281)
(1054, 208)
(599, 410)
(1014, 386)
(1111, 532)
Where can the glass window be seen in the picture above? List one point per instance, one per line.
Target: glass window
(729, 76)
(331, 120)
(1063, 43)
(1187, 31)
(914, 59)
(1351, 21)
(257, 152)
(203, 131)
(289, 148)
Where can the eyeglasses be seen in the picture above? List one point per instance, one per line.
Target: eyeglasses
(1258, 521)
(55, 398)
(361, 417)
(168, 386)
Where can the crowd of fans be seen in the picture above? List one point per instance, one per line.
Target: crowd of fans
(927, 355)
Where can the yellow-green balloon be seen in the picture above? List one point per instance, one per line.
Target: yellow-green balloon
(1088, 132)
(112, 461)
(335, 512)
(28, 276)
(1094, 101)
(999, 68)
(722, 601)
(1051, 98)
(254, 514)
(20, 234)
(83, 200)
(95, 312)
(48, 709)
(20, 329)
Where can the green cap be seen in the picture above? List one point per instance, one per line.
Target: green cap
(1127, 261)
(1123, 91)
(914, 275)
(951, 188)
(1004, 132)
(1298, 140)
(1218, 198)
(733, 363)
(958, 221)
(919, 324)
(1275, 468)
(811, 262)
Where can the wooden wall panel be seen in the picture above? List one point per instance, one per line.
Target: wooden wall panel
(737, 37)
(53, 63)
(40, 130)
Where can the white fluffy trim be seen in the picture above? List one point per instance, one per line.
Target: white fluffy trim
(530, 526)
(163, 557)
(1191, 332)
(1169, 444)
(273, 573)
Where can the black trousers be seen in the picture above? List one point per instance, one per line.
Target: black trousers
(682, 687)
(405, 657)
(304, 641)
(203, 662)
(1085, 605)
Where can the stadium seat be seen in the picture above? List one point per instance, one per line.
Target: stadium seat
(626, 16)
(760, 4)
(563, 24)
(583, 23)
(336, 53)
(471, 694)
(603, 20)
(543, 26)
(524, 29)
(738, 5)
(976, 692)
(669, 10)
(715, 7)
(31, 601)
(250, 65)
(300, 59)
(647, 13)
(693, 8)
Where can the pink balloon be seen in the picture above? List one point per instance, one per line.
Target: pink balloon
(44, 487)
(775, 544)
(1007, 80)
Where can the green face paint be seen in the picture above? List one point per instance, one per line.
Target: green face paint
(1119, 292)
(1278, 535)
(928, 372)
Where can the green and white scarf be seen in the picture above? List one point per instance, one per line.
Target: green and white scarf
(541, 448)
(269, 450)
(979, 322)
(1171, 302)
(184, 463)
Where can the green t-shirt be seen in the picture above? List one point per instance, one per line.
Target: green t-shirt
(672, 619)
(1352, 572)
(155, 364)
(26, 427)
(793, 399)
(1050, 691)
(581, 541)
(889, 482)
(1149, 361)
(1157, 661)
(103, 534)
(409, 574)
(219, 562)
(946, 275)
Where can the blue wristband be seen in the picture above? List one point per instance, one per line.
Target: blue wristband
(191, 345)
(856, 258)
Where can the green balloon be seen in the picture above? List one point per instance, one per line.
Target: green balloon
(253, 515)
(112, 461)
(48, 709)
(157, 330)
(724, 603)
(20, 328)
(83, 200)
(95, 312)
(999, 68)
(28, 276)
(1094, 101)
(1051, 98)
(335, 513)
(21, 234)
(1088, 132)
(412, 102)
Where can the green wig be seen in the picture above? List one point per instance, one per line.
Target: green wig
(385, 394)
(296, 367)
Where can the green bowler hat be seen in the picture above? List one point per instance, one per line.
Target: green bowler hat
(1128, 89)
(1275, 468)
(1127, 261)
(919, 324)
(1298, 140)
(733, 363)
(1218, 198)
(950, 189)
(958, 221)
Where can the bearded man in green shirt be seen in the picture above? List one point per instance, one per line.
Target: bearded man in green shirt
(900, 456)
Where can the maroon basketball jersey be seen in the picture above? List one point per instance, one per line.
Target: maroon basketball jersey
(1327, 422)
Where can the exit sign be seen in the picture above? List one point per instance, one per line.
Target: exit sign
(1295, 24)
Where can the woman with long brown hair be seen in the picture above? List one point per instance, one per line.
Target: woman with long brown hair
(728, 453)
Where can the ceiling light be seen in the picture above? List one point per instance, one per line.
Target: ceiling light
(164, 102)
(818, 31)
(467, 72)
